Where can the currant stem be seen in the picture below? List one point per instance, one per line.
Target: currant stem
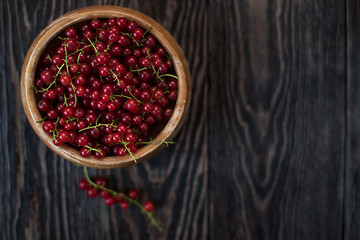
(116, 76)
(158, 141)
(154, 70)
(51, 84)
(42, 120)
(137, 70)
(94, 149)
(92, 44)
(98, 125)
(134, 96)
(66, 56)
(130, 200)
(54, 132)
(74, 89)
(147, 31)
(129, 35)
(169, 75)
(128, 150)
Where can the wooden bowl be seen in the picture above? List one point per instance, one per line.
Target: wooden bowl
(44, 41)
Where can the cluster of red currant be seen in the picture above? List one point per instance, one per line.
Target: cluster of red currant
(111, 197)
(107, 84)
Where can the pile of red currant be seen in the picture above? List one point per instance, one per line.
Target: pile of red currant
(111, 197)
(108, 83)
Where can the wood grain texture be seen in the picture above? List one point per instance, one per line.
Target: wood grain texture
(38, 192)
(352, 163)
(270, 148)
(277, 119)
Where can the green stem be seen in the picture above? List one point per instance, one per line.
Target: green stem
(74, 89)
(130, 200)
(129, 35)
(94, 149)
(158, 141)
(134, 96)
(169, 75)
(137, 70)
(154, 70)
(51, 84)
(128, 150)
(116, 76)
(98, 125)
(66, 56)
(147, 31)
(96, 51)
(55, 131)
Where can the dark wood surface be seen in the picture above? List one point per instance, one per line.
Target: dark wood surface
(270, 149)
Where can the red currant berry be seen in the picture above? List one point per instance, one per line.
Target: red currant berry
(105, 194)
(149, 206)
(93, 193)
(48, 126)
(124, 205)
(43, 105)
(84, 185)
(47, 77)
(82, 140)
(100, 181)
(65, 79)
(109, 201)
(70, 32)
(134, 194)
(85, 152)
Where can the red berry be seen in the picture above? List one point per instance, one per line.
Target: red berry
(124, 205)
(65, 79)
(48, 126)
(100, 181)
(85, 152)
(149, 206)
(43, 105)
(132, 106)
(92, 192)
(82, 140)
(47, 76)
(109, 201)
(118, 199)
(84, 185)
(105, 194)
(134, 194)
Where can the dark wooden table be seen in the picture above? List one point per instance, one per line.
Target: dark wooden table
(270, 149)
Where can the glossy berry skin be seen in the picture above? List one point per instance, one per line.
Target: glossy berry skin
(43, 105)
(48, 126)
(84, 185)
(47, 77)
(85, 152)
(124, 205)
(105, 194)
(100, 181)
(134, 194)
(82, 140)
(93, 193)
(132, 106)
(65, 80)
(109, 201)
(149, 206)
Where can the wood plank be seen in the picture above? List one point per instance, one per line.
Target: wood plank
(277, 119)
(38, 190)
(352, 164)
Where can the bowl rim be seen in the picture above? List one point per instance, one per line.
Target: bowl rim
(83, 14)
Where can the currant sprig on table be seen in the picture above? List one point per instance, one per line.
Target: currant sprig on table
(105, 87)
(111, 197)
